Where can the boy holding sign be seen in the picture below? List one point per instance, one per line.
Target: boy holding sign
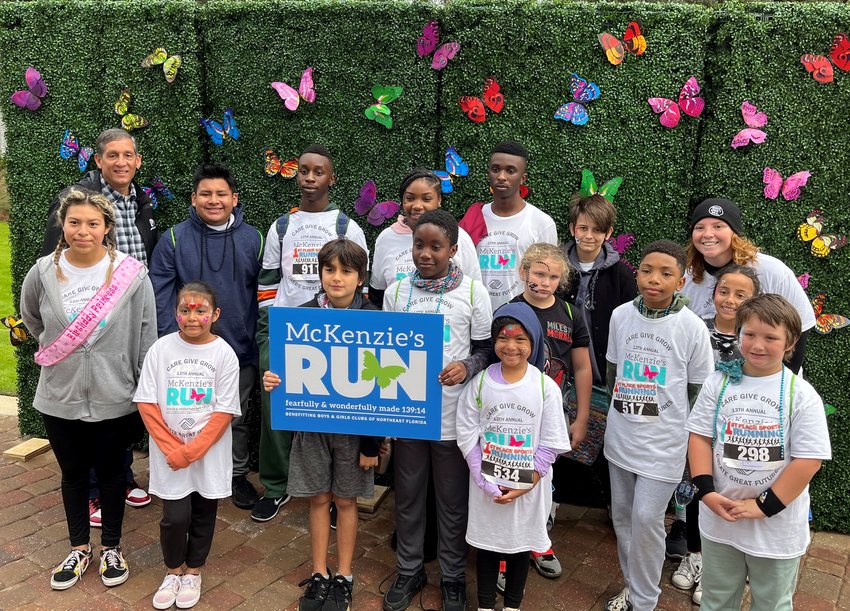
(659, 354)
(329, 467)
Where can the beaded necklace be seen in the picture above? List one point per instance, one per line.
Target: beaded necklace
(781, 418)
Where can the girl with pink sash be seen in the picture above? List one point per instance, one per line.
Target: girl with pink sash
(93, 313)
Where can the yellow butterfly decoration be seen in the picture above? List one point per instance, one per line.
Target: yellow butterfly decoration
(17, 333)
(122, 109)
(811, 231)
(170, 64)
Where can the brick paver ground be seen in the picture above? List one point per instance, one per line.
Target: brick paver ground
(258, 566)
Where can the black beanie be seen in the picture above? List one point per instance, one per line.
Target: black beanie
(721, 209)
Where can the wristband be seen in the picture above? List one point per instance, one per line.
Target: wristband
(704, 484)
(769, 503)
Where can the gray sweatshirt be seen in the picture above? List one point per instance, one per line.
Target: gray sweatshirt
(95, 382)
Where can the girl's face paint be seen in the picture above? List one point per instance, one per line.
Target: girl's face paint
(195, 316)
(542, 279)
(512, 345)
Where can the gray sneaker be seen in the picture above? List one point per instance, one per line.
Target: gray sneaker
(547, 564)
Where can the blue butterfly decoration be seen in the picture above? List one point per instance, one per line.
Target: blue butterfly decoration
(70, 148)
(217, 131)
(157, 190)
(583, 92)
(455, 168)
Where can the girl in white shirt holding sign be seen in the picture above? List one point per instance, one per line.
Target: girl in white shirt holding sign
(510, 429)
(757, 439)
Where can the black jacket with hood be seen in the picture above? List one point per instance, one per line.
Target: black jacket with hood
(609, 284)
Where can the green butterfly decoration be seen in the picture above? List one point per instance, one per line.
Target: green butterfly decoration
(380, 112)
(372, 370)
(608, 190)
(830, 409)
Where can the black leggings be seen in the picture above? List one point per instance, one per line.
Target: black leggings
(80, 446)
(186, 530)
(692, 526)
(516, 572)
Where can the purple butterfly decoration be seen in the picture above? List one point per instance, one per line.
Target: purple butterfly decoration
(803, 279)
(156, 190)
(621, 243)
(367, 203)
(30, 98)
(427, 43)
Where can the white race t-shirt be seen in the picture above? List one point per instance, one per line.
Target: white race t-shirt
(512, 422)
(189, 382)
(656, 360)
(466, 315)
(774, 277)
(507, 239)
(393, 257)
(83, 283)
(305, 235)
(746, 459)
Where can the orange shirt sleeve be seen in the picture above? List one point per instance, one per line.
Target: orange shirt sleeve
(159, 432)
(182, 456)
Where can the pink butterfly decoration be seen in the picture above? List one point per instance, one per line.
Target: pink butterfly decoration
(790, 187)
(30, 98)
(690, 103)
(648, 372)
(621, 243)
(754, 120)
(515, 443)
(803, 279)
(426, 44)
(367, 203)
(291, 98)
(197, 396)
(503, 260)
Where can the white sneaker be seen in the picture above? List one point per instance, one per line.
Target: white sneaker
(167, 592)
(620, 602)
(190, 591)
(689, 572)
(697, 597)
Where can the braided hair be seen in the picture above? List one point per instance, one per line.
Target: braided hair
(78, 197)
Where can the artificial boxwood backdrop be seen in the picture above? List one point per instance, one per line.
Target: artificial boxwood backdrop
(88, 51)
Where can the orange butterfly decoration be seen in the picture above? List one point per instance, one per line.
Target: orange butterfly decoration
(824, 323)
(633, 41)
(275, 166)
(493, 99)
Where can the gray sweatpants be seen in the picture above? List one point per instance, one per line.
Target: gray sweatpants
(412, 460)
(240, 427)
(638, 504)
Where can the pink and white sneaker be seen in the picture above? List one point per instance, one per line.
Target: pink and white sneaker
(136, 497)
(94, 513)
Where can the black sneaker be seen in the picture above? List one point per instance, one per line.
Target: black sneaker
(113, 567)
(339, 598)
(71, 570)
(333, 515)
(404, 588)
(316, 593)
(454, 595)
(676, 542)
(267, 507)
(244, 494)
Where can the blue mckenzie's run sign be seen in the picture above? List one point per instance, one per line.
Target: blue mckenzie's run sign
(357, 371)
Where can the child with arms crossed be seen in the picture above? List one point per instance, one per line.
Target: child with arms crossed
(659, 353)
(511, 409)
(188, 395)
(329, 467)
(757, 439)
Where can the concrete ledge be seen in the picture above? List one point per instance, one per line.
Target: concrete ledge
(8, 405)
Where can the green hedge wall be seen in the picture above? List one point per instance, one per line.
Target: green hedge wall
(232, 51)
